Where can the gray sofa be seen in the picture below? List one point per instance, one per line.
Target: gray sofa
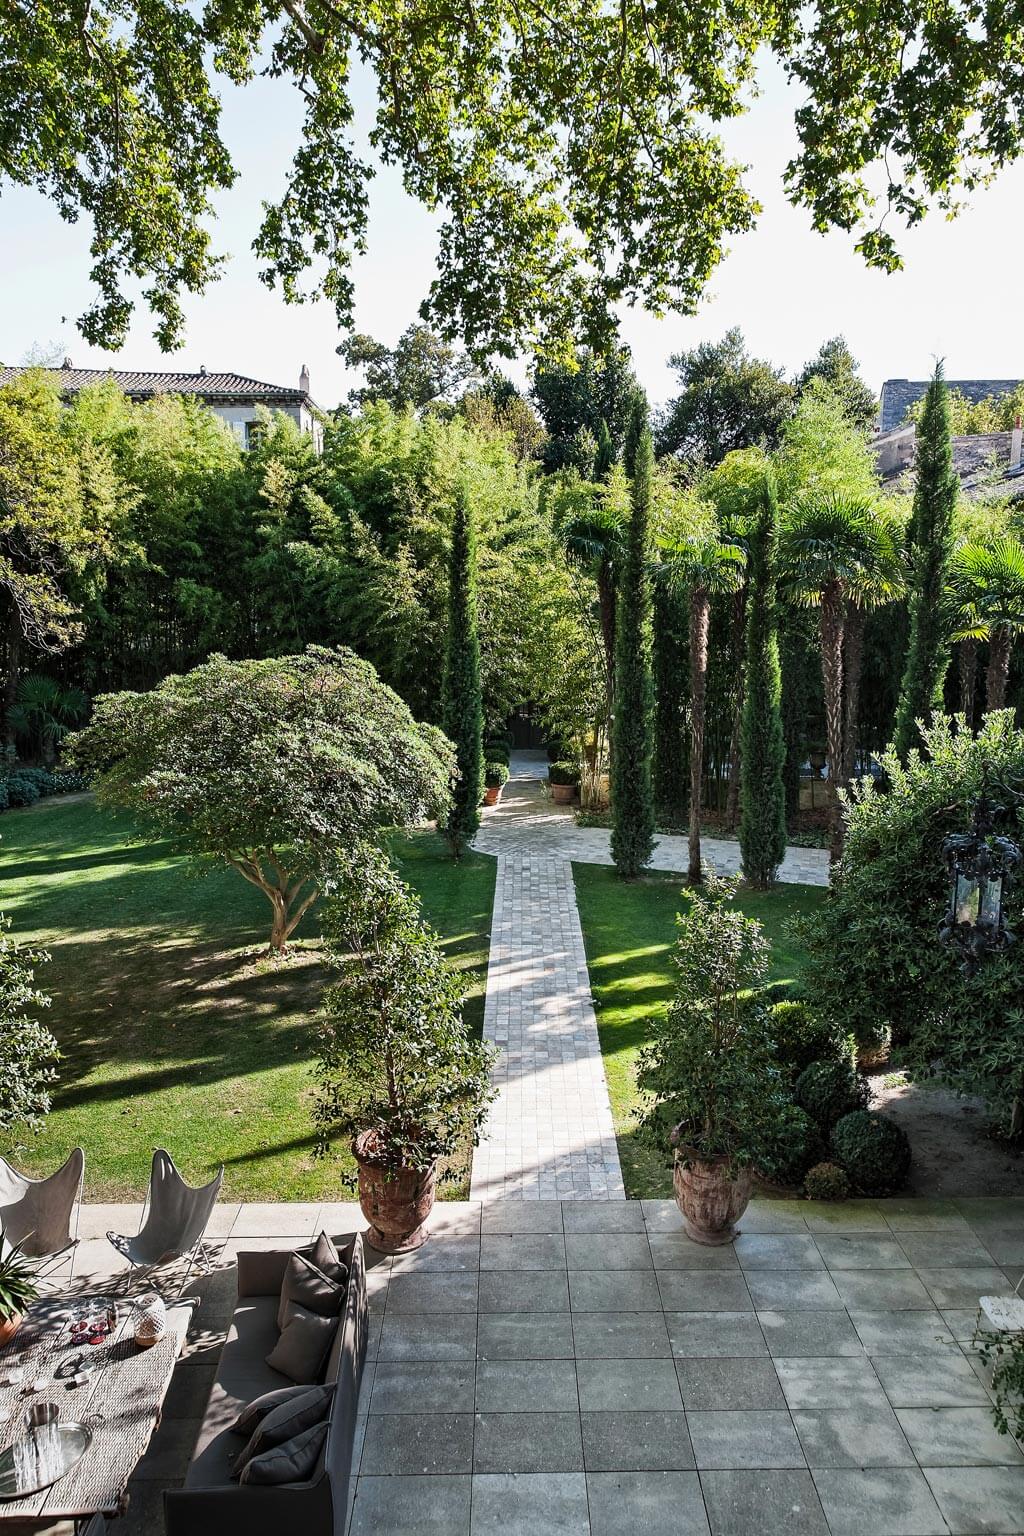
(211, 1503)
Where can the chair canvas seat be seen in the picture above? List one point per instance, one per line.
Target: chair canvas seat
(36, 1214)
(175, 1219)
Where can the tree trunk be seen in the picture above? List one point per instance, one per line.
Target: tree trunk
(999, 645)
(700, 615)
(832, 606)
(968, 679)
(13, 637)
(853, 657)
(732, 798)
(606, 607)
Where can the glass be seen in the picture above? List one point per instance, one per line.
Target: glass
(967, 901)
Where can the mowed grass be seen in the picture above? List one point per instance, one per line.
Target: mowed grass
(629, 931)
(175, 1031)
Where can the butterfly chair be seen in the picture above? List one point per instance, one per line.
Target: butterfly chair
(36, 1214)
(174, 1223)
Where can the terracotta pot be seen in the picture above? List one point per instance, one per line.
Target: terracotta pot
(563, 794)
(711, 1199)
(395, 1204)
(870, 1058)
(492, 794)
(9, 1327)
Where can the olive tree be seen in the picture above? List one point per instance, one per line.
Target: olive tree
(268, 766)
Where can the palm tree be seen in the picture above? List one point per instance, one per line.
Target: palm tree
(707, 567)
(837, 550)
(988, 589)
(883, 581)
(43, 713)
(592, 533)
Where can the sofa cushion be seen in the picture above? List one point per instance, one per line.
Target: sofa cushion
(255, 1412)
(286, 1421)
(303, 1346)
(327, 1258)
(310, 1288)
(292, 1462)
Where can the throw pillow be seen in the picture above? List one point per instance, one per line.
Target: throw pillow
(286, 1421)
(292, 1462)
(255, 1412)
(303, 1346)
(327, 1259)
(306, 1286)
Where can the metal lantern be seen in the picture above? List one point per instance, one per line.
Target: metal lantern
(981, 866)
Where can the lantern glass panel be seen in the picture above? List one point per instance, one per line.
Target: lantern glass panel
(967, 900)
(991, 895)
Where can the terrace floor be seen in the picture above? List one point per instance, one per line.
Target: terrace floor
(583, 1368)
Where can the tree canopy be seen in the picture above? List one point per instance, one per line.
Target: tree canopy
(421, 369)
(727, 400)
(573, 153)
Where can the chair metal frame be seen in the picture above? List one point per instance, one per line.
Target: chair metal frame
(50, 1263)
(195, 1253)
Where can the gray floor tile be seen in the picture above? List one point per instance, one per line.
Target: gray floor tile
(521, 1216)
(632, 1290)
(855, 1252)
(620, 1335)
(830, 1384)
(524, 1336)
(522, 1250)
(881, 1290)
(442, 1252)
(793, 1290)
(744, 1440)
(904, 1333)
(952, 1287)
(944, 1250)
(527, 1442)
(979, 1501)
(541, 1290)
(991, 1210)
(762, 1504)
(715, 1334)
(656, 1503)
(661, 1216)
(924, 1214)
(1006, 1245)
(775, 1251)
(674, 1250)
(603, 1251)
(929, 1381)
(961, 1323)
(957, 1437)
(691, 1290)
(412, 1444)
(416, 1506)
(417, 1336)
(545, 1504)
(416, 1386)
(442, 1293)
(890, 1501)
(603, 1216)
(853, 1437)
(845, 1216)
(773, 1216)
(605, 1385)
(631, 1441)
(809, 1333)
(525, 1386)
(729, 1383)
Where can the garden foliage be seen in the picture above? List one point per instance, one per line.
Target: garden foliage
(461, 703)
(632, 733)
(28, 1051)
(873, 1150)
(763, 749)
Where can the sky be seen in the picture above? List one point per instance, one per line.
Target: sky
(786, 287)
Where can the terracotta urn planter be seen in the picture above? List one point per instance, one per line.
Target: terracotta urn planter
(9, 1327)
(563, 794)
(492, 794)
(712, 1197)
(395, 1204)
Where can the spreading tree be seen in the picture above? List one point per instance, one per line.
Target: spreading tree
(462, 712)
(632, 790)
(762, 788)
(931, 546)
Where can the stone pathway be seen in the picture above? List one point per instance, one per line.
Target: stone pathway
(550, 1134)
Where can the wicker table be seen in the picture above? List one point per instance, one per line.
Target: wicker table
(120, 1402)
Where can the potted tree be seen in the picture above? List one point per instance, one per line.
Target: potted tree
(495, 779)
(564, 779)
(713, 1089)
(399, 1075)
(19, 1287)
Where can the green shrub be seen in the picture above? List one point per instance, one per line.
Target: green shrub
(564, 773)
(497, 750)
(22, 789)
(874, 1151)
(828, 1090)
(802, 1035)
(495, 774)
(67, 781)
(826, 1181)
(793, 1144)
(4, 800)
(42, 778)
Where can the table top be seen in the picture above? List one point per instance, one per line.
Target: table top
(120, 1402)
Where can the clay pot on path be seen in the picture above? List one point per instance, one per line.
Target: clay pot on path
(9, 1327)
(396, 1204)
(711, 1196)
(492, 794)
(563, 794)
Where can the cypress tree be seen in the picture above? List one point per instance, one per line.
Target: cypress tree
(461, 703)
(605, 458)
(931, 545)
(671, 758)
(763, 753)
(632, 794)
(636, 426)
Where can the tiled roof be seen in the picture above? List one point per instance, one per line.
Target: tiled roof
(142, 385)
(898, 395)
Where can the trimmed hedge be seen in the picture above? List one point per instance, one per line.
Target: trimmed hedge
(826, 1181)
(873, 1150)
(802, 1036)
(495, 774)
(564, 773)
(828, 1090)
(792, 1147)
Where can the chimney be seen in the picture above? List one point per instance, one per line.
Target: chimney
(304, 380)
(1015, 443)
(67, 363)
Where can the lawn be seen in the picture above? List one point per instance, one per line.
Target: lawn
(175, 1031)
(629, 931)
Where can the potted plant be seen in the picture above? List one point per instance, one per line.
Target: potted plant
(19, 1287)
(564, 779)
(713, 1090)
(399, 1075)
(495, 779)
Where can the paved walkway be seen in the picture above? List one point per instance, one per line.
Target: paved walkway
(550, 1132)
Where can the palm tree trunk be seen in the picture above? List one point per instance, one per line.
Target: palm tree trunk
(999, 644)
(968, 666)
(853, 659)
(832, 608)
(700, 615)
